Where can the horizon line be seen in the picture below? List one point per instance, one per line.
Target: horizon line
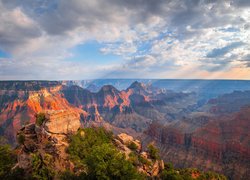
(58, 80)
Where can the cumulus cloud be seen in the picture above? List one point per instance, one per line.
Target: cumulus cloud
(16, 29)
(217, 52)
(159, 37)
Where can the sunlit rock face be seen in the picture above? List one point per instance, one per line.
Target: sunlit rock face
(62, 121)
(51, 138)
(136, 107)
(108, 98)
(23, 100)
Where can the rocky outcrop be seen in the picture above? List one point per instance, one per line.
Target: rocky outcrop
(138, 88)
(52, 137)
(49, 139)
(150, 167)
(62, 122)
(125, 139)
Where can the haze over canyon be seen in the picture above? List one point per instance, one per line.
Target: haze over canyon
(204, 129)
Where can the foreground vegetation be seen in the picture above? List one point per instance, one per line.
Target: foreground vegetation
(8, 159)
(95, 156)
(170, 173)
(94, 153)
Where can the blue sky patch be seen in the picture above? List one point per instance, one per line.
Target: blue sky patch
(89, 52)
(230, 29)
(4, 54)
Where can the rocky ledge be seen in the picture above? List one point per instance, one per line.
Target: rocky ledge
(127, 144)
(49, 140)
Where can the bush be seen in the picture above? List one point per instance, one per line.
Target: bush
(67, 175)
(42, 167)
(169, 166)
(7, 161)
(3, 141)
(144, 161)
(18, 173)
(187, 174)
(105, 162)
(132, 146)
(81, 144)
(153, 152)
(94, 152)
(211, 175)
(133, 158)
(40, 118)
(170, 175)
(21, 138)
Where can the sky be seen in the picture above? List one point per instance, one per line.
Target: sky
(92, 39)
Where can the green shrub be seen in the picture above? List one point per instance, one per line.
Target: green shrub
(21, 138)
(169, 166)
(67, 175)
(81, 145)
(42, 167)
(40, 118)
(187, 173)
(95, 153)
(170, 175)
(18, 173)
(153, 152)
(211, 175)
(7, 161)
(142, 160)
(105, 162)
(3, 141)
(133, 158)
(132, 146)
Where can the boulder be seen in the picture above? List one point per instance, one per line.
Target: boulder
(62, 122)
(125, 139)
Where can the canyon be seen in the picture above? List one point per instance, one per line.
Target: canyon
(190, 132)
(222, 145)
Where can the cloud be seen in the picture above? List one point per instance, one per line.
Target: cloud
(16, 29)
(241, 3)
(246, 60)
(218, 52)
(159, 37)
